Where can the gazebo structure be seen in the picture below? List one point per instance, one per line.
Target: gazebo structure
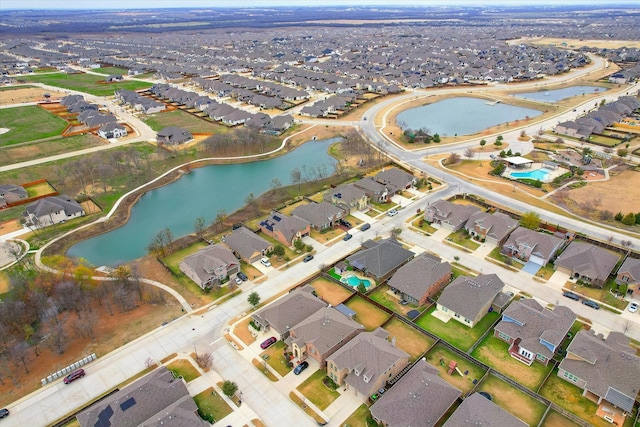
(517, 162)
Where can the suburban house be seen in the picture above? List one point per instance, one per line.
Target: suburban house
(285, 229)
(467, 299)
(421, 278)
(210, 266)
(321, 334)
(347, 197)
(366, 363)
(450, 216)
(247, 245)
(322, 216)
(477, 410)
(419, 398)
(173, 135)
(112, 130)
(374, 190)
(395, 180)
(52, 210)
(155, 399)
(285, 313)
(379, 258)
(629, 274)
(587, 262)
(528, 245)
(491, 228)
(114, 78)
(11, 193)
(607, 370)
(534, 332)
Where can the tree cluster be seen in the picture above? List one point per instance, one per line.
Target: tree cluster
(241, 141)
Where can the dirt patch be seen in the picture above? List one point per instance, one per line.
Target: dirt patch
(606, 194)
(10, 226)
(408, 339)
(367, 314)
(513, 400)
(554, 419)
(242, 331)
(504, 363)
(330, 292)
(606, 44)
(21, 95)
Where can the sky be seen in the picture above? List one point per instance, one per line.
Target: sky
(148, 4)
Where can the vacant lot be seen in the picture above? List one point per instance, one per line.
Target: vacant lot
(329, 291)
(28, 124)
(184, 120)
(313, 389)
(50, 147)
(440, 357)
(513, 400)
(21, 94)
(367, 314)
(89, 83)
(408, 338)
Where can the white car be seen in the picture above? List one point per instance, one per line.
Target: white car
(238, 281)
(265, 261)
(392, 212)
(633, 307)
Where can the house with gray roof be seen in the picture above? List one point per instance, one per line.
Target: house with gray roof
(366, 363)
(11, 193)
(285, 313)
(247, 245)
(587, 262)
(421, 278)
(173, 135)
(395, 179)
(285, 229)
(450, 216)
(378, 259)
(321, 334)
(374, 190)
(528, 245)
(347, 197)
(210, 266)
(533, 332)
(419, 398)
(491, 228)
(607, 371)
(467, 299)
(52, 210)
(629, 274)
(322, 216)
(477, 410)
(154, 400)
(112, 130)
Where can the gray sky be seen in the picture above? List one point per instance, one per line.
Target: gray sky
(139, 4)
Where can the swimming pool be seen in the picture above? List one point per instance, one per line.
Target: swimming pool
(541, 174)
(354, 281)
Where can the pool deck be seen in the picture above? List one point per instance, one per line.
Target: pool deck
(552, 173)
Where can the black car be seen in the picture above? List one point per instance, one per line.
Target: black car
(347, 236)
(242, 276)
(307, 258)
(301, 367)
(4, 412)
(571, 295)
(591, 304)
(365, 226)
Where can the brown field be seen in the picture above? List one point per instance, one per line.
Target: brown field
(330, 292)
(609, 193)
(20, 95)
(608, 44)
(242, 331)
(513, 400)
(408, 339)
(367, 314)
(554, 419)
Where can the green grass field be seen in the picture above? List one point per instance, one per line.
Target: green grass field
(184, 120)
(28, 124)
(48, 147)
(111, 70)
(89, 83)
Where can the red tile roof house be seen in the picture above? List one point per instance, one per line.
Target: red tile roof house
(534, 332)
(366, 363)
(490, 228)
(210, 266)
(421, 278)
(608, 372)
(449, 216)
(528, 245)
(629, 274)
(587, 263)
(321, 334)
(419, 398)
(285, 229)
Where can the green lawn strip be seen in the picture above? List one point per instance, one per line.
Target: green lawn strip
(21, 122)
(367, 314)
(495, 254)
(211, 403)
(317, 393)
(454, 332)
(440, 356)
(298, 401)
(494, 352)
(111, 70)
(267, 373)
(546, 272)
(10, 88)
(361, 417)
(513, 400)
(461, 238)
(276, 358)
(89, 83)
(174, 259)
(408, 338)
(423, 225)
(49, 147)
(183, 368)
(184, 120)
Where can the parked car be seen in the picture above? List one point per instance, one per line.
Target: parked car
(4, 412)
(307, 258)
(591, 304)
(345, 223)
(74, 376)
(265, 261)
(268, 343)
(347, 237)
(571, 295)
(633, 307)
(238, 280)
(242, 276)
(301, 367)
(392, 212)
(365, 226)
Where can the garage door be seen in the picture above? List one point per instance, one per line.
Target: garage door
(536, 259)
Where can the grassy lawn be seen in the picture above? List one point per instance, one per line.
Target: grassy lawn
(49, 147)
(111, 70)
(361, 417)
(174, 259)
(569, 397)
(89, 83)
(39, 189)
(494, 352)
(184, 120)
(425, 227)
(28, 124)
(610, 142)
(294, 397)
(454, 332)
(381, 296)
(495, 254)
(554, 419)
(325, 236)
(599, 294)
(408, 338)
(251, 272)
(313, 389)
(462, 382)
(329, 291)
(276, 358)
(461, 238)
(513, 400)
(367, 314)
(546, 272)
(183, 368)
(212, 404)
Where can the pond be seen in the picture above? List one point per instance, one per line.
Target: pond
(201, 193)
(559, 94)
(461, 116)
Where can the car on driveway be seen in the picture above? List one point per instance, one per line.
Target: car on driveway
(591, 304)
(307, 258)
(301, 367)
(365, 226)
(571, 295)
(242, 276)
(238, 281)
(347, 237)
(74, 376)
(265, 261)
(392, 212)
(268, 343)
(4, 412)
(633, 307)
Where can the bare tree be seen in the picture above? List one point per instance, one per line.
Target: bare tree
(204, 360)
(19, 354)
(199, 225)
(453, 159)
(221, 217)
(468, 153)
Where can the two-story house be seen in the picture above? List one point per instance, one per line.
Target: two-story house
(528, 245)
(210, 266)
(450, 216)
(285, 229)
(421, 278)
(322, 216)
(492, 228)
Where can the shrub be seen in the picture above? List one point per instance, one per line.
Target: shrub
(629, 219)
(618, 216)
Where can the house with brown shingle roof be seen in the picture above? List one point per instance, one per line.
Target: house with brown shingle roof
(492, 228)
(587, 262)
(378, 259)
(467, 299)
(534, 332)
(285, 229)
(528, 245)
(450, 216)
(419, 398)
(477, 410)
(210, 266)
(629, 274)
(421, 278)
(366, 363)
(247, 245)
(607, 370)
(347, 197)
(321, 334)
